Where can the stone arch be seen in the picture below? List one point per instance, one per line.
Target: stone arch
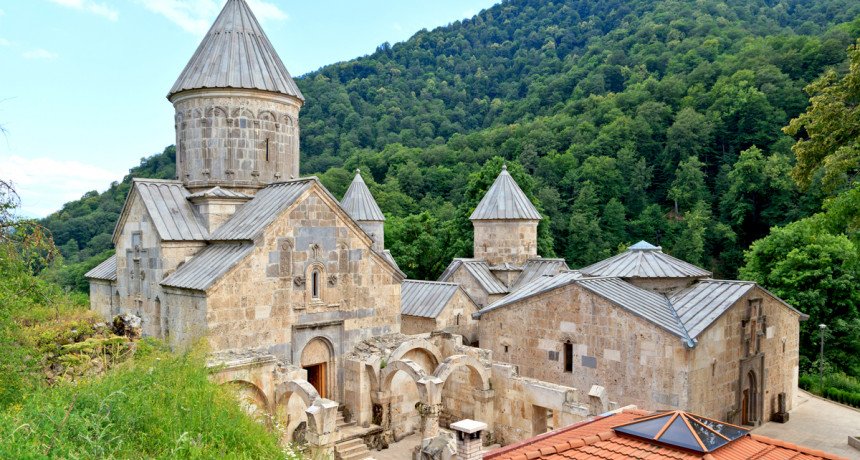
(252, 399)
(301, 388)
(454, 362)
(409, 367)
(267, 115)
(420, 344)
(217, 111)
(294, 420)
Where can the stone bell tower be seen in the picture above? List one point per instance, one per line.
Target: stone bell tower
(237, 109)
(505, 224)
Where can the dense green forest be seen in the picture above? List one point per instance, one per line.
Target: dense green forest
(622, 120)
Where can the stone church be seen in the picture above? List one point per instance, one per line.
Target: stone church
(309, 315)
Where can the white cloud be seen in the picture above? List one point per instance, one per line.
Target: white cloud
(396, 26)
(196, 16)
(40, 53)
(4, 42)
(100, 9)
(45, 184)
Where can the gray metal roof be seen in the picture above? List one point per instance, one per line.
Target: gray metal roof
(701, 304)
(104, 271)
(208, 266)
(172, 215)
(536, 268)
(536, 287)
(644, 260)
(479, 270)
(255, 215)
(505, 200)
(641, 302)
(218, 192)
(426, 299)
(236, 54)
(359, 203)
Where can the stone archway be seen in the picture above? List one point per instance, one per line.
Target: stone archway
(419, 345)
(466, 390)
(292, 412)
(429, 398)
(318, 360)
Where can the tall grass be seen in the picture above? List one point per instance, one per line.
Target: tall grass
(157, 406)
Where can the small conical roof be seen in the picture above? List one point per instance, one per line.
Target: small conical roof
(236, 54)
(505, 200)
(359, 203)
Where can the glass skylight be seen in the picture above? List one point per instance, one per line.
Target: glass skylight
(680, 429)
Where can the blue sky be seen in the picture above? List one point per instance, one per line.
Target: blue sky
(83, 82)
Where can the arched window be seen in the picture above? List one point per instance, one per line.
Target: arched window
(315, 284)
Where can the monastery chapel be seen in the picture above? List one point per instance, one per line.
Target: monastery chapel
(307, 313)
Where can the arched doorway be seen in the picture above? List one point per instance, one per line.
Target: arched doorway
(318, 360)
(749, 405)
(252, 400)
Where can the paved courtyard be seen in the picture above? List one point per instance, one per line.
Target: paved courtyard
(818, 424)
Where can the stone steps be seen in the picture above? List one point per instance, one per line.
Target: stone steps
(354, 449)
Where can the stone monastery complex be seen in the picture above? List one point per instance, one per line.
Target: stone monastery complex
(308, 314)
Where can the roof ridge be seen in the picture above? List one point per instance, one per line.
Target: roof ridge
(430, 282)
(165, 181)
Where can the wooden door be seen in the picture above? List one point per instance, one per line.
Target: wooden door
(745, 402)
(317, 378)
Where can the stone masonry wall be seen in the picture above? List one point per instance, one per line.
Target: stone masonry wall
(715, 371)
(466, 281)
(636, 361)
(102, 298)
(143, 260)
(498, 241)
(235, 138)
(266, 301)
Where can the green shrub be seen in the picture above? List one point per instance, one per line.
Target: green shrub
(161, 406)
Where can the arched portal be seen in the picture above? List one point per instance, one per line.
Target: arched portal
(293, 400)
(318, 360)
(466, 392)
(749, 407)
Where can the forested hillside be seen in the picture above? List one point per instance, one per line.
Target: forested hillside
(622, 120)
(655, 120)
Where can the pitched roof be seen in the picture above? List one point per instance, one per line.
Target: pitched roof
(505, 200)
(208, 266)
(236, 53)
(359, 203)
(255, 215)
(386, 254)
(702, 303)
(643, 260)
(536, 268)
(426, 299)
(647, 304)
(104, 271)
(172, 215)
(682, 429)
(480, 271)
(218, 192)
(599, 439)
(536, 287)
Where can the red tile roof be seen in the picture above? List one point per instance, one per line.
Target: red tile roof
(596, 440)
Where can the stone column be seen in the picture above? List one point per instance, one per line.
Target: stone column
(322, 429)
(383, 399)
(469, 439)
(429, 419)
(484, 406)
(430, 389)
